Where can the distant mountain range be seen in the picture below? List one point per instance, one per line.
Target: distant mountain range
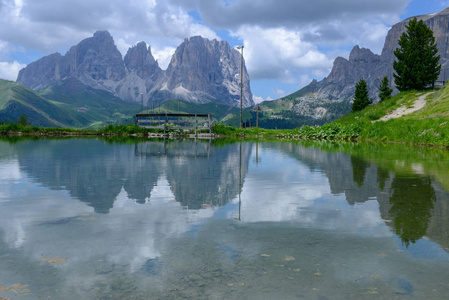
(74, 104)
(200, 71)
(93, 80)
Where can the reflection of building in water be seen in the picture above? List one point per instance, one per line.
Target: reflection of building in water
(95, 172)
(173, 148)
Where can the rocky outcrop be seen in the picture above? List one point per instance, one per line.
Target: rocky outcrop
(140, 60)
(41, 73)
(362, 63)
(94, 61)
(200, 71)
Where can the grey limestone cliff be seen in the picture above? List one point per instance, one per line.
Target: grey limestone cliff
(94, 61)
(200, 71)
(362, 63)
(140, 60)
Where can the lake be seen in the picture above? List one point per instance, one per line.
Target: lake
(182, 219)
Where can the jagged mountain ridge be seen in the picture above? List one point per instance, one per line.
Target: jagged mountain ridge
(339, 85)
(200, 71)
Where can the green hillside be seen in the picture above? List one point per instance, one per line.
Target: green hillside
(88, 107)
(220, 111)
(16, 99)
(75, 105)
(291, 112)
(69, 104)
(427, 125)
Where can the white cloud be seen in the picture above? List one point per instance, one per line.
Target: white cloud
(287, 13)
(9, 71)
(305, 79)
(284, 40)
(257, 99)
(163, 56)
(55, 25)
(373, 35)
(278, 92)
(279, 53)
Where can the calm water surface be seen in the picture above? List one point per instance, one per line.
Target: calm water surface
(107, 219)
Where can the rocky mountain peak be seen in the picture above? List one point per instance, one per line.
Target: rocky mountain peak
(41, 73)
(140, 60)
(200, 71)
(205, 68)
(94, 59)
(362, 54)
(364, 64)
(103, 34)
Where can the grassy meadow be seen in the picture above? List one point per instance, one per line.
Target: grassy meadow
(427, 126)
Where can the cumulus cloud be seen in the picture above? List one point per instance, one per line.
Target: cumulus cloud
(163, 56)
(278, 52)
(288, 13)
(258, 99)
(57, 24)
(291, 39)
(284, 40)
(9, 71)
(278, 92)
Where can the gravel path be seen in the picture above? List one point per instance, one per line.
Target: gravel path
(403, 110)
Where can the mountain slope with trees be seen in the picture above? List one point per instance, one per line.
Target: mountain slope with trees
(339, 85)
(70, 104)
(16, 101)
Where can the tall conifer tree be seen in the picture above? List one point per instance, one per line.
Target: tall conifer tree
(361, 96)
(384, 89)
(418, 63)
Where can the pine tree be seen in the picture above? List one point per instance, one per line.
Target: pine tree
(23, 120)
(361, 97)
(384, 89)
(418, 63)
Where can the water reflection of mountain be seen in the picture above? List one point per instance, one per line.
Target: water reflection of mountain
(413, 205)
(201, 174)
(95, 172)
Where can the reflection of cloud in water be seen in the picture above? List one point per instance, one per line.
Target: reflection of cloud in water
(19, 217)
(9, 172)
(276, 193)
(50, 224)
(147, 235)
(288, 190)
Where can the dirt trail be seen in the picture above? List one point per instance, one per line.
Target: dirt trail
(403, 110)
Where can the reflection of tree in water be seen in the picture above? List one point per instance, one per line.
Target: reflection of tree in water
(382, 176)
(359, 167)
(411, 203)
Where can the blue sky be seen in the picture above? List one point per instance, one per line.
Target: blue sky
(287, 42)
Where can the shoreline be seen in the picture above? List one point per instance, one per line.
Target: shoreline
(207, 136)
